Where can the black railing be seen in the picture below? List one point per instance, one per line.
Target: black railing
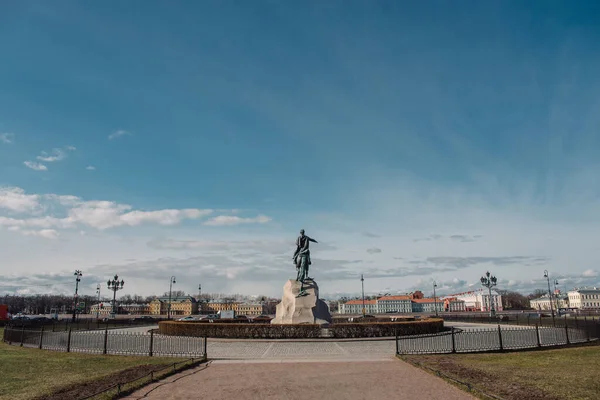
(79, 325)
(494, 339)
(108, 342)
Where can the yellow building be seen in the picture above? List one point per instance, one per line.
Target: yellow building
(184, 305)
(250, 309)
(214, 307)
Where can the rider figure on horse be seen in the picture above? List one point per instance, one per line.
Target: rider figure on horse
(302, 252)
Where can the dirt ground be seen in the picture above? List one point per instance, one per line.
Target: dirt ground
(79, 390)
(393, 379)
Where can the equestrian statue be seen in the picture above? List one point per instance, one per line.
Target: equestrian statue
(302, 260)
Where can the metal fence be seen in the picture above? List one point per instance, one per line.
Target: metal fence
(528, 319)
(109, 342)
(79, 324)
(492, 339)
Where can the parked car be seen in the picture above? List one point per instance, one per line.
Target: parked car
(145, 318)
(241, 318)
(188, 318)
(209, 318)
(262, 318)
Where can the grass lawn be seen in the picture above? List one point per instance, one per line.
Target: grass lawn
(570, 373)
(27, 373)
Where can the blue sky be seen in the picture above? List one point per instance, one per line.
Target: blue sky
(373, 125)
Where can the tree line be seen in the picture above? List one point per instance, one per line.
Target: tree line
(45, 303)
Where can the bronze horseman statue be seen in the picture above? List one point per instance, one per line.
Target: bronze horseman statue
(302, 259)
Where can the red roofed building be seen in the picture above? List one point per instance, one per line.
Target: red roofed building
(356, 307)
(401, 304)
(413, 302)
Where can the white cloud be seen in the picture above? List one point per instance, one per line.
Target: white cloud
(90, 168)
(43, 233)
(226, 220)
(118, 133)
(95, 214)
(35, 166)
(71, 148)
(590, 273)
(7, 137)
(15, 199)
(55, 155)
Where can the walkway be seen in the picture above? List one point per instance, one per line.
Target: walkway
(314, 379)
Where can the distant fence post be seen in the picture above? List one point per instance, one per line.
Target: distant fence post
(105, 339)
(41, 337)
(206, 341)
(453, 340)
(576, 323)
(22, 333)
(500, 337)
(567, 333)
(151, 342)
(528, 319)
(69, 340)
(517, 319)
(537, 335)
(66, 324)
(396, 334)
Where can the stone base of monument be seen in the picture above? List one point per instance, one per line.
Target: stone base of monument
(304, 309)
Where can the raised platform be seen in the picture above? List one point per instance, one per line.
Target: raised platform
(301, 307)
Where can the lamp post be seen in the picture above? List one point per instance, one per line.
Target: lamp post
(78, 276)
(435, 298)
(362, 283)
(115, 285)
(171, 282)
(489, 281)
(556, 297)
(98, 305)
(547, 276)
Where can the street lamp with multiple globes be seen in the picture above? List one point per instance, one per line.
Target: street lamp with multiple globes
(435, 298)
(171, 282)
(115, 285)
(489, 281)
(78, 276)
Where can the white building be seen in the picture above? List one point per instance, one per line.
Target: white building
(543, 302)
(400, 304)
(427, 305)
(356, 307)
(412, 303)
(478, 300)
(584, 299)
(452, 304)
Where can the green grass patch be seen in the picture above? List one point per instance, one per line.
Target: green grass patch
(569, 373)
(27, 373)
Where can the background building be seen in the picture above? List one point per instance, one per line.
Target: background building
(452, 304)
(478, 300)
(584, 299)
(250, 309)
(355, 307)
(413, 302)
(183, 305)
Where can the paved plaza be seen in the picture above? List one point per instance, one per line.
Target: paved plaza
(315, 349)
(268, 380)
